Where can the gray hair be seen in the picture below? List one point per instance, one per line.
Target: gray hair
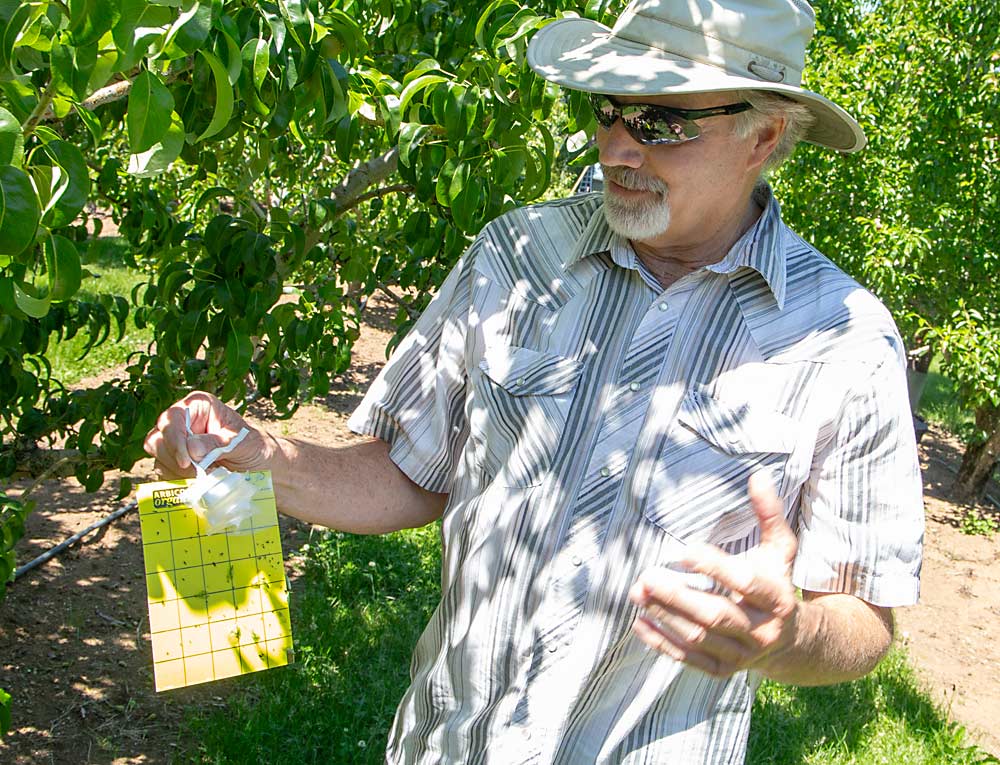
(766, 106)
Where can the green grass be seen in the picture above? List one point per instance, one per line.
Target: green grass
(108, 275)
(883, 718)
(359, 608)
(356, 614)
(940, 405)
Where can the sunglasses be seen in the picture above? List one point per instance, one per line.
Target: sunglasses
(653, 125)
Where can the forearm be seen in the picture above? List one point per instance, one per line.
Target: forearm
(838, 638)
(354, 488)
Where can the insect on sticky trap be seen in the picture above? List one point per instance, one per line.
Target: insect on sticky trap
(218, 602)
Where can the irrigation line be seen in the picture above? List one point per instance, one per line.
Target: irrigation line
(49, 554)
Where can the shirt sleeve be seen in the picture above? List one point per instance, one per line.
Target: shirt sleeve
(862, 517)
(417, 402)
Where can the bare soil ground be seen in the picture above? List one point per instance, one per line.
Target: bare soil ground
(74, 642)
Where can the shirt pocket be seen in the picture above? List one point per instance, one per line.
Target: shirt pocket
(524, 396)
(699, 487)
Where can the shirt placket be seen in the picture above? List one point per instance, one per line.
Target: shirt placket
(574, 567)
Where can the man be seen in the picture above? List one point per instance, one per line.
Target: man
(584, 404)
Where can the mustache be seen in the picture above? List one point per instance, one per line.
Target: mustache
(631, 178)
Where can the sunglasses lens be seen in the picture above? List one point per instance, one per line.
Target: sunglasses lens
(652, 125)
(645, 123)
(604, 111)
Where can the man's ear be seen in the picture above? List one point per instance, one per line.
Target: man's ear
(766, 141)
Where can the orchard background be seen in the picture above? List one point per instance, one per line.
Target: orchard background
(340, 151)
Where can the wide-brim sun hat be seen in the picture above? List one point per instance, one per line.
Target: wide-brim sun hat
(665, 47)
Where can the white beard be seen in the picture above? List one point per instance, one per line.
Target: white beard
(637, 220)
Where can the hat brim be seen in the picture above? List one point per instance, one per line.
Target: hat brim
(581, 54)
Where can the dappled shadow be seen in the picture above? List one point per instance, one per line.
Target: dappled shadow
(791, 724)
(380, 313)
(941, 455)
(359, 608)
(74, 640)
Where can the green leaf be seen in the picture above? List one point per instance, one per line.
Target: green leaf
(19, 211)
(229, 53)
(160, 155)
(141, 24)
(215, 192)
(124, 488)
(64, 267)
(293, 11)
(11, 139)
(415, 87)
(223, 97)
(454, 117)
(10, 31)
(90, 19)
(4, 704)
(346, 137)
(190, 32)
(66, 201)
(464, 196)
(32, 305)
(442, 189)
(90, 121)
(410, 136)
(150, 105)
(261, 62)
(239, 351)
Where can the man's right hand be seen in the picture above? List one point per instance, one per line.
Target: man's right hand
(213, 424)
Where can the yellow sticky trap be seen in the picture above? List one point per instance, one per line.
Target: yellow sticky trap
(218, 603)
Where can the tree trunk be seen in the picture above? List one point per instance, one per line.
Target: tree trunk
(916, 378)
(921, 363)
(979, 460)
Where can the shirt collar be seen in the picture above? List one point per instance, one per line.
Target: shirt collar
(759, 248)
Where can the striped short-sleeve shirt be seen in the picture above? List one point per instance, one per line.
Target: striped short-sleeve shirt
(587, 425)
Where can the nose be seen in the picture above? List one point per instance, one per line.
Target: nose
(616, 147)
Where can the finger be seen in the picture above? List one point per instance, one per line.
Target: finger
(200, 445)
(173, 427)
(663, 594)
(662, 640)
(741, 576)
(770, 512)
(152, 442)
(739, 647)
(167, 473)
(210, 415)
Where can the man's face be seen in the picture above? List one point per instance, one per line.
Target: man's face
(673, 195)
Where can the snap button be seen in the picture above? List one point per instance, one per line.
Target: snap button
(634, 386)
(767, 71)
(577, 560)
(663, 306)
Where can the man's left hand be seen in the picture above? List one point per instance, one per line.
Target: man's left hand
(721, 634)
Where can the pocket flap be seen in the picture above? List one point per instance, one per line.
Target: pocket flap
(737, 429)
(526, 372)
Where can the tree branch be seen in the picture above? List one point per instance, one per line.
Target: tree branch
(116, 91)
(363, 176)
(40, 464)
(109, 93)
(379, 192)
(42, 108)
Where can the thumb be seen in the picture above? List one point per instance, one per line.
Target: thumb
(200, 445)
(770, 512)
